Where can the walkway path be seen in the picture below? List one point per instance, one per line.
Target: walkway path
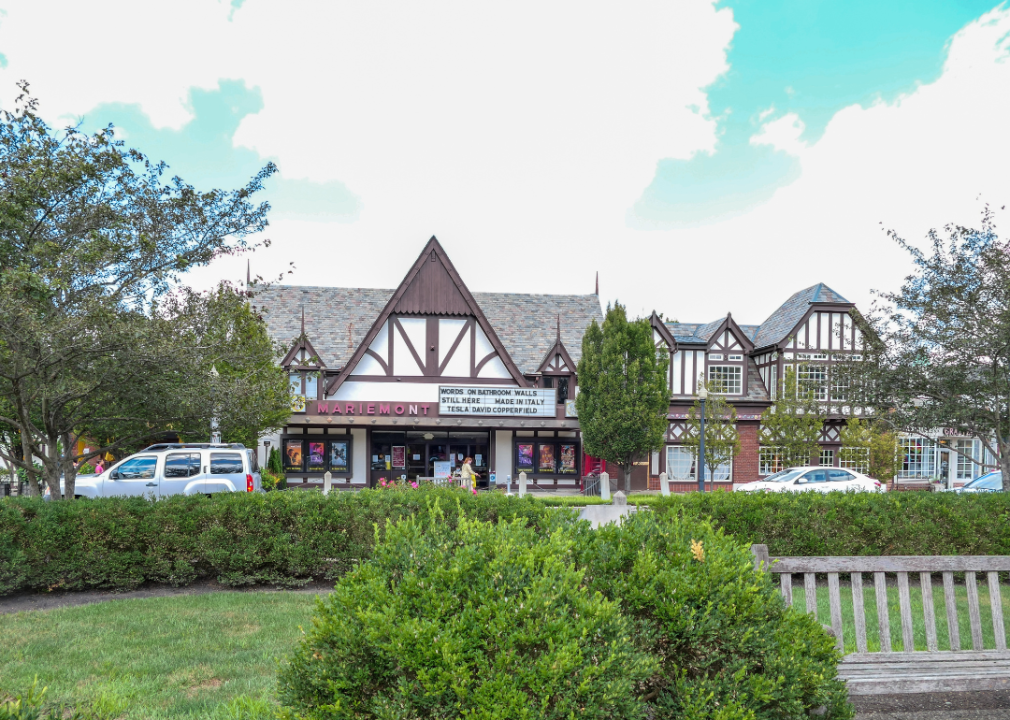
(991, 705)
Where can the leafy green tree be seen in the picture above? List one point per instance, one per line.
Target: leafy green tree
(938, 349)
(722, 441)
(95, 338)
(793, 424)
(623, 398)
(873, 445)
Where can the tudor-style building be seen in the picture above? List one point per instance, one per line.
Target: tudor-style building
(408, 382)
(811, 331)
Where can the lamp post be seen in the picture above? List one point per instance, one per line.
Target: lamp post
(702, 396)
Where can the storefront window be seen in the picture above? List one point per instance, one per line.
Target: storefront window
(965, 452)
(769, 460)
(679, 463)
(919, 460)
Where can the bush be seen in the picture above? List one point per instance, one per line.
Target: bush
(503, 622)
(728, 647)
(281, 539)
(895, 523)
(475, 620)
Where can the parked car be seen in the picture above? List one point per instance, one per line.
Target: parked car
(990, 482)
(175, 469)
(814, 479)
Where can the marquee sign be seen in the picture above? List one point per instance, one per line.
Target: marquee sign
(490, 401)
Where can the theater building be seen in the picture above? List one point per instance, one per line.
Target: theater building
(405, 383)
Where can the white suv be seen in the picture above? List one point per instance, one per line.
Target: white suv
(175, 469)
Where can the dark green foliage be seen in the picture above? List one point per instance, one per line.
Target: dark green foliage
(895, 523)
(476, 620)
(728, 647)
(283, 539)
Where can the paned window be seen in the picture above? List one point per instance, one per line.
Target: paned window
(839, 388)
(736, 357)
(680, 463)
(965, 452)
(827, 458)
(297, 392)
(813, 379)
(725, 379)
(769, 460)
(855, 458)
(918, 458)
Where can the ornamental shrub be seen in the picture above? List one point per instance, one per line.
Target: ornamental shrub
(726, 645)
(472, 620)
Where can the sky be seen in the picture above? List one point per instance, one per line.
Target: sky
(702, 156)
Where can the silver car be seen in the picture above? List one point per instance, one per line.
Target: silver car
(175, 469)
(814, 479)
(990, 482)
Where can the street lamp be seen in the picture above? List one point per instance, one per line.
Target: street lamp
(702, 396)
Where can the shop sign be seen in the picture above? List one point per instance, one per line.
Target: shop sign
(485, 401)
(371, 408)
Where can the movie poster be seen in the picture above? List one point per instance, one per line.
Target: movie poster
(546, 464)
(317, 457)
(524, 456)
(399, 456)
(293, 455)
(567, 465)
(339, 456)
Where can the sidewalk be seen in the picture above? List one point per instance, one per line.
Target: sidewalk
(991, 705)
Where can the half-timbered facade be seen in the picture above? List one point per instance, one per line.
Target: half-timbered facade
(808, 333)
(405, 383)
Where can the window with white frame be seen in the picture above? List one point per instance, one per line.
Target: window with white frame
(839, 387)
(680, 463)
(827, 458)
(854, 458)
(918, 458)
(297, 392)
(813, 379)
(965, 452)
(725, 379)
(722, 473)
(769, 460)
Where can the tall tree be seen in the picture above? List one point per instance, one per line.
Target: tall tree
(623, 398)
(793, 424)
(938, 349)
(93, 240)
(871, 445)
(722, 441)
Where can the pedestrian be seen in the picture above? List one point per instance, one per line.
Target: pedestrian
(466, 474)
(99, 468)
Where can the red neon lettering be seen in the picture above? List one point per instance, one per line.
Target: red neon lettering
(425, 408)
(336, 408)
(384, 409)
(371, 409)
(322, 408)
(399, 409)
(412, 409)
(350, 409)
(360, 411)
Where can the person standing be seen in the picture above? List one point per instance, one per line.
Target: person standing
(467, 478)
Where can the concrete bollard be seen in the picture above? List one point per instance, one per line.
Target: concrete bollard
(327, 478)
(620, 499)
(664, 484)
(605, 486)
(522, 484)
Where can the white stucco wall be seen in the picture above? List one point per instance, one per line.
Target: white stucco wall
(503, 454)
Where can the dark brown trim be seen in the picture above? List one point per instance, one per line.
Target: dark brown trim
(480, 366)
(372, 353)
(431, 379)
(452, 350)
(302, 343)
(431, 250)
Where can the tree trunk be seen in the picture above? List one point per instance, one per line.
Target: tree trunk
(26, 451)
(1004, 463)
(626, 470)
(69, 468)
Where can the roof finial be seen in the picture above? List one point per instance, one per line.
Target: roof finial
(597, 282)
(248, 272)
(303, 321)
(559, 327)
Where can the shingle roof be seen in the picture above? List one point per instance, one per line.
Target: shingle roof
(781, 322)
(337, 319)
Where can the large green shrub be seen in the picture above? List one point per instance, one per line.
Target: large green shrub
(505, 622)
(476, 620)
(728, 647)
(283, 539)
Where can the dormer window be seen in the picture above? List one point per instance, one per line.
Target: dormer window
(304, 385)
(561, 383)
(725, 379)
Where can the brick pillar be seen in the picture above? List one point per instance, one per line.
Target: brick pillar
(745, 466)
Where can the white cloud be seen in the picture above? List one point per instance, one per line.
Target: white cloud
(782, 133)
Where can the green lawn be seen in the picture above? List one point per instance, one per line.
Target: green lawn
(212, 655)
(918, 624)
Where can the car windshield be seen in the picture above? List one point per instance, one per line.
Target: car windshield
(992, 481)
(783, 476)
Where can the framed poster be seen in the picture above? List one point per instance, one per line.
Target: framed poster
(567, 466)
(524, 456)
(293, 455)
(546, 463)
(399, 456)
(442, 469)
(317, 457)
(340, 456)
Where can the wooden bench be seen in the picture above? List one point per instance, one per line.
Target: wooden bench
(910, 670)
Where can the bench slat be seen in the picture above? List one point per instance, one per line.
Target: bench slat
(929, 617)
(883, 620)
(950, 603)
(996, 603)
(905, 608)
(943, 656)
(835, 602)
(810, 590)
(974, 616)
(892, 563)
(858, 612)
(786, 582)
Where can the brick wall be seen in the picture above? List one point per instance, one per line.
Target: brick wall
(745, 466)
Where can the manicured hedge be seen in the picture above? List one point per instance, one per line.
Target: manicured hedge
(896, 523)
(284, 538)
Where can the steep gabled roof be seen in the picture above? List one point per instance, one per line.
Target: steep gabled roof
(784, 320)
(302, 343)
(664, 332)
(558, 348)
